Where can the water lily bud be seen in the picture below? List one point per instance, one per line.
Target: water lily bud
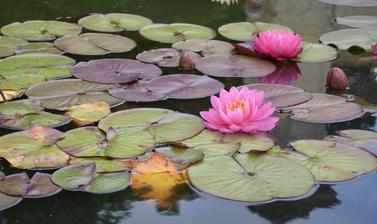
(374, 51)
(337, 79)
(186, 60)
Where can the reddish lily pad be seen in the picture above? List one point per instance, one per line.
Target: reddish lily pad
(184, 86)
(112, 71)
(95, 44)
(166, 57)
(41, 186)
(282, 95)
(319, 100)
(206, 47)
(63, 94)
(14, 185)
(234, 66)
(7, 201)
(137, 92)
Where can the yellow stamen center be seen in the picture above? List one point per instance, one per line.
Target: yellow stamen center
(237, 104)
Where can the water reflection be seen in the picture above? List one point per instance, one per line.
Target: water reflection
(285, 73)
(283, 212)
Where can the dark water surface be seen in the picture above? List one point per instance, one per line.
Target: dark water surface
(354, 202)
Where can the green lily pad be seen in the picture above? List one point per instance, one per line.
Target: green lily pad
(19, 82)
(33, 149)
(165, 125)
(316, 53)
(244, 31)
(251, 178)
(357, 21)
(40, 48)
(360, 138)
(91, 141)
(250, 142)
(171, 33)
(84, 177)
(63, 94)
(347, 38)
(7, 201)
(181, 157)
(20, 107)
(88, 113)
(329, 161)
(206, 47)
(8, 45)
(102, 165)
(50, 66)
(38, 30)
(95, 44)
(114, 22)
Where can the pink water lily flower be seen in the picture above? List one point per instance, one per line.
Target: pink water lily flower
(278, 44)
(240, 111)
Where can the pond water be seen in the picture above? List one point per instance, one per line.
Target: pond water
(354, 202)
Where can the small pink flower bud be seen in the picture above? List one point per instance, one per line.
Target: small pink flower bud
(337, 79)
(374, 51)
(186, 60)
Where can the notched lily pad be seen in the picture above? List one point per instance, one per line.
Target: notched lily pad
(114, 22)
(112, 71)
(181, 157)
(95, 44)
(103, 165)
(88, 113)
(172, 33)
(234, 66)
(347, 38)
(166, 57)
(165, 125)
(39, 30)
(316, 53)
(63, 94)
(206, 47)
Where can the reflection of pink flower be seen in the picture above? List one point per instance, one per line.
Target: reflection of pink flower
(375, 50)
(240, 111)
(285, 73)
(278, 44)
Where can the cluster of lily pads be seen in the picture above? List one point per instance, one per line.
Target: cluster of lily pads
(243, 167)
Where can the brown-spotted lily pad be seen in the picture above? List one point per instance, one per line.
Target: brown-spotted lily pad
(234, 66)
(85, 178)
(92, 142)
(282, 95)
(112, 71)
(330, 161)
(95, 44)
(33, 149)
(206, 47)
(165, 125)
(63, 94)
(172, 33)
(114, 22)
(166, 57)
(38, 30)
(88, 113)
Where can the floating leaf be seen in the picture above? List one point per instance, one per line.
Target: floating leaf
(330, 161)
(347, 38)
(95, 44)
(250, 142)
(244, 31)
(63, 94)
(114, 22)
(282, 95)
(8, 45)
(14, 185)
(40, 48)
(319, 100)
(329, 114)
(360, 138)
(90, 142)
(234, 66)
(316, 53)
(50, 66)
(357, 21)
(40, 186)
(251, 178)
(8, 201)
(88, 113)
(356, 134)
(356, 3)
(165, 57)
(184, 86)
(84, 177)
(171, 33)
(19, 82)
(137, 92)
(38, 30)
(112, 71)
(102, 165)
(206, 47)
(165, 125)
(181, 157)
(33, 149)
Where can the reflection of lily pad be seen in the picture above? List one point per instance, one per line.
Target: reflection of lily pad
(166, 57)
(181, 157)
(282, 95)
(63, 94)
(33, 148)
(50, 66)
(244, 31)
(330, 161)
(165, 125)
(347, 38)
(102, 165)
(315, 53)
(206, 47)
(88, 113)
(114, 22)
(234, 66)
(84, 177)
(171, 33)
(95, 44)
(90, 142)
(38, 30)
(251, 178)
(112, 71)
